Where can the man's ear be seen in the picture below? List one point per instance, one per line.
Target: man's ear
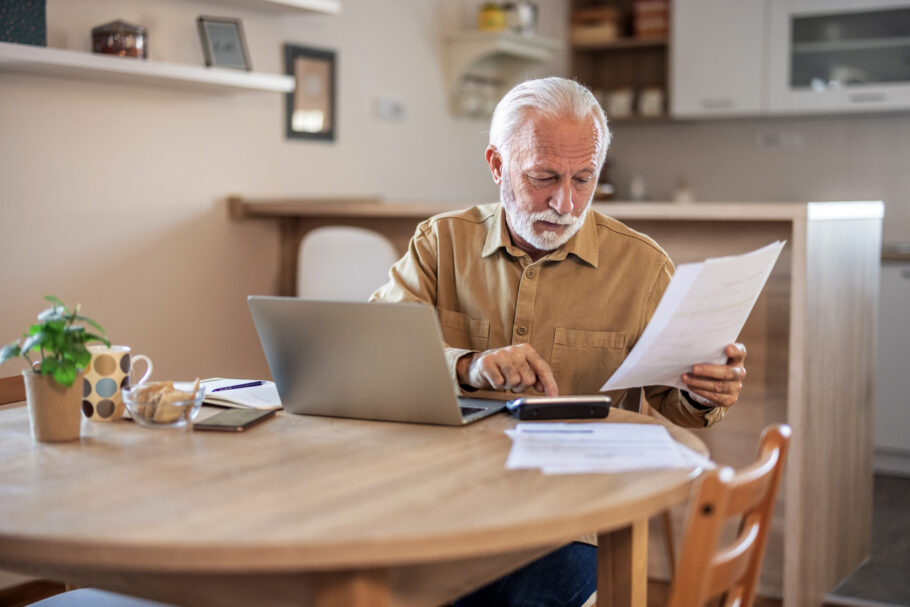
(494, 160)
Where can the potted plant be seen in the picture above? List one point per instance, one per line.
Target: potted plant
(53, 384)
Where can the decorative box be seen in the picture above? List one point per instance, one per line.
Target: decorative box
(120, 38)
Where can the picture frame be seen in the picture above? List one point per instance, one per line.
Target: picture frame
(223, 43)
(311, 106)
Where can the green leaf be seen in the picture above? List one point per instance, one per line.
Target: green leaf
(92, 337)
(81, 355)
(65, 374)
(54, 300)
(48, 365)
(91, 322)
(9, 351)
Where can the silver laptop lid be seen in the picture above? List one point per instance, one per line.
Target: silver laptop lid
(377, 361)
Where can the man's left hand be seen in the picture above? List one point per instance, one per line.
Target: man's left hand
(720, 384)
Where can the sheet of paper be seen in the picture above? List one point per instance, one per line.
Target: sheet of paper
(264, 396)
(561, 448)
(703, 310)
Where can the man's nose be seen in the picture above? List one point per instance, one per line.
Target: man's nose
(561, 201)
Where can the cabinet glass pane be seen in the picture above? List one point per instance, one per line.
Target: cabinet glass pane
(850, 49)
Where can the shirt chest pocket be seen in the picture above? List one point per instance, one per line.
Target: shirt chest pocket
(461, 331)
(583, 360)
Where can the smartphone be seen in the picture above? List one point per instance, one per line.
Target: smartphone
(234, 420)
(560, 407)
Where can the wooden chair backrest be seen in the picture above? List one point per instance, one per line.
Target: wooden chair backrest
(705, 571)
(12, 389)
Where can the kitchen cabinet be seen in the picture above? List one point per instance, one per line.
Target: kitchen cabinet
(760, 57)
(717, 58)
(625, 65)
(839, 56)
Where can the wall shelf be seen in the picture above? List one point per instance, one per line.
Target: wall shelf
(498, 58)
(23, 58)
(327, 7)
(621, 44)
(469, 49)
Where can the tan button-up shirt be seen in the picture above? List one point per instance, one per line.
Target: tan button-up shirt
(582, 306)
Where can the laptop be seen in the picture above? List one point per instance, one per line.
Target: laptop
(379, 361)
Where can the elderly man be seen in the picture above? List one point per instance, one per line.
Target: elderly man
(540, 294)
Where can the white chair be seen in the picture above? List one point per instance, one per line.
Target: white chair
(92, 597)
(343, 263)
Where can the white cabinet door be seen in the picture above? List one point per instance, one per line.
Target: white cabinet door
(839, 56)
(717, 64)
(892, 413)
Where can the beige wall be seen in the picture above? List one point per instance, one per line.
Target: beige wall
(113, 196)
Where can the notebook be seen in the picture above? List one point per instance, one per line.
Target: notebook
(379, 361)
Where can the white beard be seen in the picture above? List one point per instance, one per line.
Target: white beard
(523, 223)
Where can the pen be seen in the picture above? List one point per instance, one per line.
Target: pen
(246, 385)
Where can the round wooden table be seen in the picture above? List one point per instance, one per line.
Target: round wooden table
(312, 510)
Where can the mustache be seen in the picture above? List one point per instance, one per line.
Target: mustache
(551, 216)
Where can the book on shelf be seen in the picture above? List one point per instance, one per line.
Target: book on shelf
(241, 393)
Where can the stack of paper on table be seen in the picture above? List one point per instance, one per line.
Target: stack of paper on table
(562, 448)
(264, 396)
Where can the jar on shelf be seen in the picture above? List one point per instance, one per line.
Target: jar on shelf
(491, 18)
(120, 38)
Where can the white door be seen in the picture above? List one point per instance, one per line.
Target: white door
(717, 57)
(892, 412)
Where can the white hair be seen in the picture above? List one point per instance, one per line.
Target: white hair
(555, 97)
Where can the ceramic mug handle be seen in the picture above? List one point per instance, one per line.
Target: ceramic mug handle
(148, 364)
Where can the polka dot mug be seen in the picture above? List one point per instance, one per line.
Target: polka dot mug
(108, 372)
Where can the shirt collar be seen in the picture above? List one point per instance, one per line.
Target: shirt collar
(583, 245)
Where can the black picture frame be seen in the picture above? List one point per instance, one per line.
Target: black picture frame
(223, 43)
(311, 108)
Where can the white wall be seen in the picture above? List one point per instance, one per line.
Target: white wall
(858, 157)
(113, 196)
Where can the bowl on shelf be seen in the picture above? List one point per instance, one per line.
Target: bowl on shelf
(164, 404)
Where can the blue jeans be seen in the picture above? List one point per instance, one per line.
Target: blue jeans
(564, 578)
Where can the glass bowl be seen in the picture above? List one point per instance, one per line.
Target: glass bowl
(159, 404)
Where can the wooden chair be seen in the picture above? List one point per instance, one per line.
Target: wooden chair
(704, 571)
(12, 389)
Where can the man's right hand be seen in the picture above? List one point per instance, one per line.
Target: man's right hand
(514, 368)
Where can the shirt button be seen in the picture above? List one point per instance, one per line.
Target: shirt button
(530, 273)
(522, 330)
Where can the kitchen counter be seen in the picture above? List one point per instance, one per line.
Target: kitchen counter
(811, 340)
